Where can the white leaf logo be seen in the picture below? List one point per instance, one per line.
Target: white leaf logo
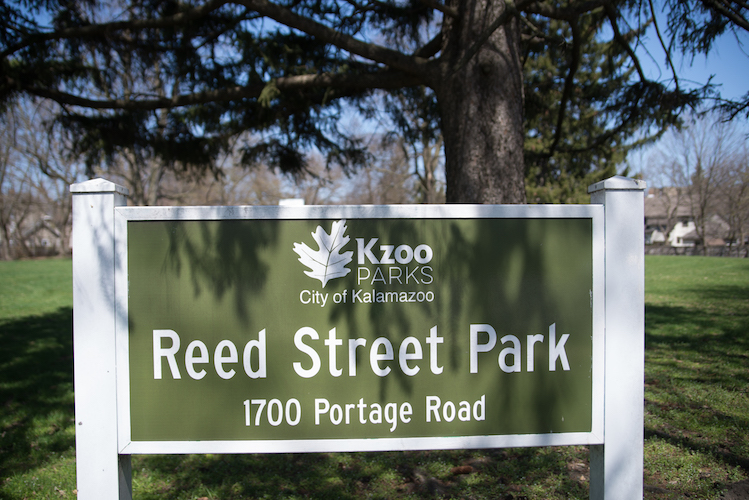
(327, 262)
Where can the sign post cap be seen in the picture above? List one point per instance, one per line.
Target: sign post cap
(98, 185)
(618, 183)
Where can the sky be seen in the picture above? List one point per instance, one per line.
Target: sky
(730, 65)
(728, 61)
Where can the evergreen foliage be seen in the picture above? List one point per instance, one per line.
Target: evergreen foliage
(177, 79)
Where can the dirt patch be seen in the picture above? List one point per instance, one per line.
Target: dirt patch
(737, 491)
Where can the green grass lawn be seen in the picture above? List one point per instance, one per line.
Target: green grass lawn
(37, 434)
(696, 410)
(696, 372)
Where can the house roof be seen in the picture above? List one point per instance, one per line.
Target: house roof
(660, 201)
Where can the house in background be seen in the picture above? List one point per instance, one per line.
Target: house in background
(42, 239)
(35, 235)
(668, 218)
(671, 226)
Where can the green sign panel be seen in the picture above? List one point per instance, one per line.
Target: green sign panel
(268, 329)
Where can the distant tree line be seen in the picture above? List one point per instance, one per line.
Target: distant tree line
(704, 167)
(36, 171)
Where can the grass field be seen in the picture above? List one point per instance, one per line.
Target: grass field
(696, 410)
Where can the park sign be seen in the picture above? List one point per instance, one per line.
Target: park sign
(294, 329)
(291, 329)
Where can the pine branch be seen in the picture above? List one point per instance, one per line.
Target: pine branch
(445, 9)
(663, 45)
(511, 9)
(569, 83)
(538, 36)
(569, 13)
(350, 84)
(612, 14)
(408, 64)
(724, 8)
(396, 60)
(94, 30)
(431, 48)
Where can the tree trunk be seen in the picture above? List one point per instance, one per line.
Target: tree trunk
(480, 98)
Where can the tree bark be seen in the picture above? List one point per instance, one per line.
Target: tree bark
(480, 97)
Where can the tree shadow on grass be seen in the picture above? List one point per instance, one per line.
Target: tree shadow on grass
(719, 345)
(36, 390)
(502, 474)
(725, 292)
(695, 359)
(247, 476)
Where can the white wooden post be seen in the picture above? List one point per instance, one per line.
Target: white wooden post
(616, 467)
(101, 471)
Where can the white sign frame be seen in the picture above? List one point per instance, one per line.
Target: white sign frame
(124, 214)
